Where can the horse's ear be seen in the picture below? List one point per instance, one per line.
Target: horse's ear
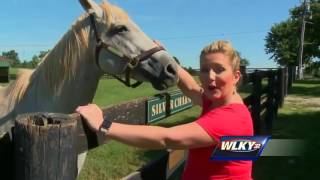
(91, 7)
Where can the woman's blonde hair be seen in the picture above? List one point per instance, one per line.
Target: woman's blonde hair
(225, 48)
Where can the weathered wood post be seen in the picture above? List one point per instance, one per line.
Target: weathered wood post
(256, 98)
(45, 147)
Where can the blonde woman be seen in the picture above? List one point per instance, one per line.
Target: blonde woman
(223, 114)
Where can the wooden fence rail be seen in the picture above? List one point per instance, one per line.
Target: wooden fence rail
(46, 145)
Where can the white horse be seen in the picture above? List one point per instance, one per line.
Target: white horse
(103, 40)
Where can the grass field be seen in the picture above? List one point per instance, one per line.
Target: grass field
(299, 118)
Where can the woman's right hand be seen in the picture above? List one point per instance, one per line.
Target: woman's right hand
(92, 114)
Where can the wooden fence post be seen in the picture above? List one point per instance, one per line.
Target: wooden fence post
(6, 157)
(270, 113)
(243, 70)
(286, 81)
(45, 147)
(280, 87)
(256, 106)
(290, 76)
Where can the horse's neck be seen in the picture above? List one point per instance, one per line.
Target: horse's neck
(65, 79)
(74, 91)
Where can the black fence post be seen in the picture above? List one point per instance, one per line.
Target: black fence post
(270, 113)
(286, 81)
(256, 98)
(290, 77)
(243, 70)
(280, 88)
(6, 157)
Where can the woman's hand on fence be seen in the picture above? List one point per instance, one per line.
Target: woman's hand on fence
(92, 114)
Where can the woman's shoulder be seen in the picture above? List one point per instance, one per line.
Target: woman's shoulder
(232, 110)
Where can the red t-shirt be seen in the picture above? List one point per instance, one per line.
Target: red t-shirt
(228, 120)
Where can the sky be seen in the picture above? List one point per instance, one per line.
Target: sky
(183, 26)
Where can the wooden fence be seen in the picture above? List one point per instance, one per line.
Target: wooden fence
(46, 145)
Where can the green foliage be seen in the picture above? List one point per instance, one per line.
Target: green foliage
(13, 56)
(36, 59)
(191, 71)
(314, 69)
(283, 40)
(244, 62)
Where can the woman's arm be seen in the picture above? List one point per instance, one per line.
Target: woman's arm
(153, 137)
(189, 86)
(185, 136)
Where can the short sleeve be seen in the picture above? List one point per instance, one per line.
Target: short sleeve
(210, 123)
(231, 120)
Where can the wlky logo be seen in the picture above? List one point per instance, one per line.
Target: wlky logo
(239, 148)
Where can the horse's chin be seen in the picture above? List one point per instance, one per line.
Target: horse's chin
(160, 86)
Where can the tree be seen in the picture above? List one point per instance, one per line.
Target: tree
(36, 59)
(283, 40)
(13, 56)
(243, 61)
(314, 68)
(42, 54)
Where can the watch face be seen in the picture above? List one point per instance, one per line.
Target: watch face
(106, 124)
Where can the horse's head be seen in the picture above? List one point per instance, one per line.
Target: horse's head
(122, 48)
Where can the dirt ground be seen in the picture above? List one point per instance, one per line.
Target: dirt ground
(311, 102)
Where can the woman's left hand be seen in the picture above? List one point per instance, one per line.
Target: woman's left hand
(92, 114)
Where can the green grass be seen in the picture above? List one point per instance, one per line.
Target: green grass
(299, 118)
(13, 71)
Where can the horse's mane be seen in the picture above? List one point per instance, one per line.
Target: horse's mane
(111, 10)
(60, 63)
(16, 90)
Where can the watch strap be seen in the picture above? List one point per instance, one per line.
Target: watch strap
(105, 125)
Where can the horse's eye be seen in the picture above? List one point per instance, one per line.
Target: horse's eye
(118, 29)
(121, 29)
